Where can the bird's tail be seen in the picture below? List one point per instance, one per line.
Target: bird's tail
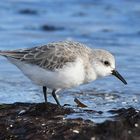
(2, 52)
(13, 54)
(5, 53)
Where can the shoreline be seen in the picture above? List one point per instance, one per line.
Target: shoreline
(25, 121)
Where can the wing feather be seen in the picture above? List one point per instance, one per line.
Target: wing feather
(52, 56)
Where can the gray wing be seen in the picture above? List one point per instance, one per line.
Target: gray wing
(52, 56)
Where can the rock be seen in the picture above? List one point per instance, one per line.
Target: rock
(28, 12)
(50, 28)
(25, 121)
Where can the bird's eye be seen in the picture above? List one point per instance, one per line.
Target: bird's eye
(106, 63)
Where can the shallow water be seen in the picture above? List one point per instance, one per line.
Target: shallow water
(111, 25)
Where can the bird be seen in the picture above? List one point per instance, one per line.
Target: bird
(63, 65)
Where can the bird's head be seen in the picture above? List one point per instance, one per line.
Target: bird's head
(104, 64)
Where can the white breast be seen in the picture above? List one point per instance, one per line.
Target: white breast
(71, 75)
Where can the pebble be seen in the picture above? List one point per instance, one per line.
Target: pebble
(136, 125)
(76, 131)
(93, 138)
(43, 124)
(22, 112)
(129, 131)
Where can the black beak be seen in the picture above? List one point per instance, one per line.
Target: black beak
(115, 73)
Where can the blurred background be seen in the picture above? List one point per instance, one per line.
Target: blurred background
(113, 25)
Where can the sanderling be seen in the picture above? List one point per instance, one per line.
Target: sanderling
(62, 65)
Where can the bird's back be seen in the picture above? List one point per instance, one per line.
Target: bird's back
(51, 56)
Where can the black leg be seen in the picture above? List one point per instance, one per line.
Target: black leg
(45, 93)
(54, 96)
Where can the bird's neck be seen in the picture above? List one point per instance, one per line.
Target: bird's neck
(90, 74)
